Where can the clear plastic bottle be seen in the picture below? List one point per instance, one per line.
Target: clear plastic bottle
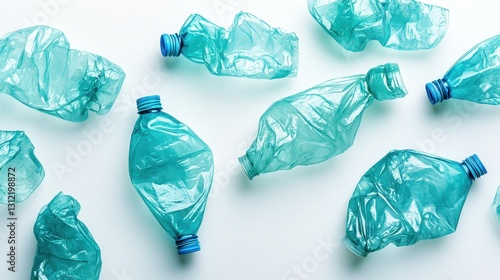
(172, 170)
(249, 48)
(319, 123)
(474, 77)
(406, 197)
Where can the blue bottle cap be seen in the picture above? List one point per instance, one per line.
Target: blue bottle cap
(474, 167)
(438, 91)
(148, 104)
(170, 44)
(247, 166)
(187, 244)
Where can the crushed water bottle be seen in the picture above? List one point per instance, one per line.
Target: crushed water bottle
(172, 170)
(319, 123)
(406, 197)
(41, 71)
(249, 48)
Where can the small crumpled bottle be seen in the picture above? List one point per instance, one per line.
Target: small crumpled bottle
(319, 123)
(495, 206)
(249, 48)
(406, 197)
(172, 170)
(20, 171)
(474, 77)
(66, 249)
(40, 70)
(396, 24)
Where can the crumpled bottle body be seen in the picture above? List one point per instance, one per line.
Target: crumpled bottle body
(319, 123)
(249, 48)
(495, 205)
(406, 197)
(474, 77)
(396, 24)
(40, 70)
(172, 170)
(66, 248)
(21, 172)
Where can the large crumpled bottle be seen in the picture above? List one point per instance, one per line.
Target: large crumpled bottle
(20, 171)
(406, 197)
(474, 77)
(66, 249)
(40, 70)
(249, 48)
(495, 205)
(319, 123)
(396, 24)
(172, 170)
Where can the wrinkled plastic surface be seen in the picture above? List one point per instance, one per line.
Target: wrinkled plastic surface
(39, 69)
(495, 206)
(21, 172)
(66, 249)
(396, 24)
(474, 77)
(172, 170)
(406, 197)
(249, 48)
(319, 123)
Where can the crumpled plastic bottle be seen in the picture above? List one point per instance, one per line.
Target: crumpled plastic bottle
(172, 170)
(249, 48)
(66, 249)
(396, 24)
(406, 197)
(495, 206)
(319, 123)
(21, 172)
(40, 70)
(474, 77)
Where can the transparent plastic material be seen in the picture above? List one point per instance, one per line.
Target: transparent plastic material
(495, 206)
(474, 77)
(406, 197)
(396, 24)
(319, 123)
(172, 170)
(40, 70)
(66, 249)
(249, 48)
(20, 171)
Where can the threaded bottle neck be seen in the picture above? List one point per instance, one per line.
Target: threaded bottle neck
(148, 104)
(474, 167)
(171, 44)
(438, 91)
(247, 167)
(188, 244)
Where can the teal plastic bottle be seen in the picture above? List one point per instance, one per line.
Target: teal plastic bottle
(66, 248)
(396, 24)
(319, 123)
(406, 197)
(172, 170)
(20, 171)
(41, 71)
(474, 77)
(249, 48)
(495, 206)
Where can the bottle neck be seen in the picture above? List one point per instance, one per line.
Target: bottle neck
(474, 167)
(171, 44)
(384, 82)
(438, 91)
(148, 104)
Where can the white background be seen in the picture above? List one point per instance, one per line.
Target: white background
(278, 224)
